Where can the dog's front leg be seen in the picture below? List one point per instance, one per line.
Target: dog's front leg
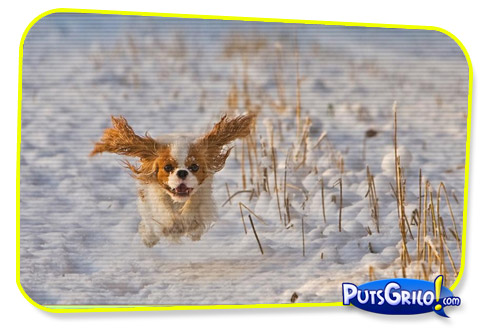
(149, 229)
(148, 235)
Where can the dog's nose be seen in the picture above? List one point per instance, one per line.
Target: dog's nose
(182, 174)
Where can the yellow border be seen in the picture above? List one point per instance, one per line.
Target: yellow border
(97, 308)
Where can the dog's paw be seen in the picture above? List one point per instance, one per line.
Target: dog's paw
(149, 242)
(148, 237)
(195, 237)
(196, 230)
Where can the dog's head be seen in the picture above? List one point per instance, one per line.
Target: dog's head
(179, 164)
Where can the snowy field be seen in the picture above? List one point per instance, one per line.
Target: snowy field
(78, 215)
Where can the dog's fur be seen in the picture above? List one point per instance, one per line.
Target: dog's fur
(175, 174)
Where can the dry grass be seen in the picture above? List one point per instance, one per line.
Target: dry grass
(339, 182)
(373, 199)
(433, 254)
(400, 200)
(270, 162)
(256, 236)
(323, 201)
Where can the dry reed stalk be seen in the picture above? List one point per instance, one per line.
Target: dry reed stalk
(265, 169)
(400, 198)
(228, 193)
(233, 98)
(276, 187)
(281, 94)
(456, 236)
(323, 201)
(302, 148)
(252, 146)
(298, 95)
(443, 236)
(235, 194)
(339, 182)
(409, 228)
(424, 270)
(340, 164)
(455, 233)
(243, 220)
(429, 252)
(252, 212)
(256, 236)
(244, 176)
(372, 276)
(433, 251)
(455, 270)
(430, 257)
(266, 180)
(432, 213)
(303, 234)
(442, 263)
(341, 205)
(419, 224)
(285, 192)
(250, 143)
(320, 139)
(288, 215)
(250, 160)
(420, 195)
(373, 199)
(455, 197)
(426, 213)
(439, 220)
(252, 193)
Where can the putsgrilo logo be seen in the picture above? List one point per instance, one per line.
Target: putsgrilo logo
(400, 296)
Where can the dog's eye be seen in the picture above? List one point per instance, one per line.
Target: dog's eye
(194, 167)
(168, 168)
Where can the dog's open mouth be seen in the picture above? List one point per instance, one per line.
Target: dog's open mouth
(182, 190)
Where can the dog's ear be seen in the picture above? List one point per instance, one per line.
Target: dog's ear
(122, 140)
(223, 133)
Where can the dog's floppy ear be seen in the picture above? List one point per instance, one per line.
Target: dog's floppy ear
(223, 133)
(122, 140)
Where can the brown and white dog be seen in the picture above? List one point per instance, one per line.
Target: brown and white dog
(175, 175)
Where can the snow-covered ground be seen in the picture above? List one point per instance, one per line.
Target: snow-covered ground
(78, 223)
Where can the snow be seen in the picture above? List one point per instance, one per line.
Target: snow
(78, 223)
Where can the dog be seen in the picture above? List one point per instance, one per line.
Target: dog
(175, 174)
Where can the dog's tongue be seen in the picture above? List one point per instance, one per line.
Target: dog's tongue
(182, 188)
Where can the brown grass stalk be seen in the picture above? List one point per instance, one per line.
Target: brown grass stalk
(228, 193)
(400, 198)
(241, 204)
(373, 199)
(458, 239)
(243, 220)
(323, 201)
(303, 234)
(256, 236)
(298, 96)
(235, 194)
(372, 276)
(281, 106)
(276, 187)
(339, 182)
